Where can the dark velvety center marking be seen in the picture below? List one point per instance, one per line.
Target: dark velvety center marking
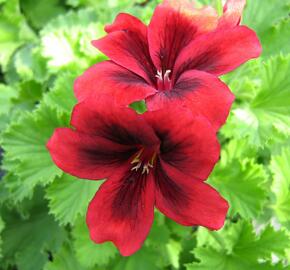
(138, 48)
(169, 188)
(172, 151)
(103, 156)
(127, 77)
(205, 61)
(129, 197)
(175, 35)
(182, 87)
(121, 135)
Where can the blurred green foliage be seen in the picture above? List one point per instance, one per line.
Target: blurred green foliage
(44, 45)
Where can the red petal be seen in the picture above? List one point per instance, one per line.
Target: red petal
(122, 211)
(102, 117)
(188, 202)
(114, 80)
(201, 92)
(188, 143)
(219, 52)
(233, 10)
(173, 26)
(126, 44)
(86, 156)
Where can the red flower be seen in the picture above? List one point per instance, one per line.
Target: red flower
(177, 58)
(159, 158)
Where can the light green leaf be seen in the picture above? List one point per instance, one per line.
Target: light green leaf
(69, 197)
(266, 21)
(237, 247)
(66, 41)
(28, 64)
(25, 142)
(280, 167)
(174, 249)
(7, 93)
(242, 183)
(61, 96)
(88, 253)
(268, 109)
(14, 30)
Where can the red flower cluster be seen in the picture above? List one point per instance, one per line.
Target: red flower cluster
(162, 157)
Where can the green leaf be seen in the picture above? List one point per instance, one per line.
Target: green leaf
(40, 12)
(280, 165)
(66, 41)
(267, 109)
(14, 30)
(266, 20)
(64, 260)
(242, 183)
(1, 229)
(25, 142)
(27, 64)
(237, 247)
(174, 249)
(142, 260)
(7, 94)
(61, 96)
(88, 253)
(69, 197)
(28, 240)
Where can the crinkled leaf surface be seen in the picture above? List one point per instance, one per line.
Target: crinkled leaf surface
(69, 197)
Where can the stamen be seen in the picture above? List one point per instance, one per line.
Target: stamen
(166, 75)
(163, 80)
(135, 168)
(159, 75)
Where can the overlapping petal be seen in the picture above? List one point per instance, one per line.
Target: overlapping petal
(188, 202)
(86, 156)
(201, 92)
(122, 211)
(126, 44)
(219, 52)
(112, 79)
(174, 25)
(232, 13)
(100, 116)
(188, 143)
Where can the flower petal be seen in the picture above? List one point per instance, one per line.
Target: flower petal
(188, 143)
(112, 79)
(174, 25)
(85, 156)
(100, 116)
(122, 211)
(201, 92)
(188, 202)
(233, 10)
(126, 44)
(219, 52)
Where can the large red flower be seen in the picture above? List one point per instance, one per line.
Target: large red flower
(159, 158)
(176, 58)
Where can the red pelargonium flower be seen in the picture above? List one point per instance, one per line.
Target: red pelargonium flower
(177, 57)
(159, 158)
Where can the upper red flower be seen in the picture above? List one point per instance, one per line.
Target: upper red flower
(177, 57)
(147, 162)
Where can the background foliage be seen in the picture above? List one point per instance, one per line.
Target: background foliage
(44, 45)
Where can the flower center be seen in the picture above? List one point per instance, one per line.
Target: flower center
(144, 160)
(163, 80)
